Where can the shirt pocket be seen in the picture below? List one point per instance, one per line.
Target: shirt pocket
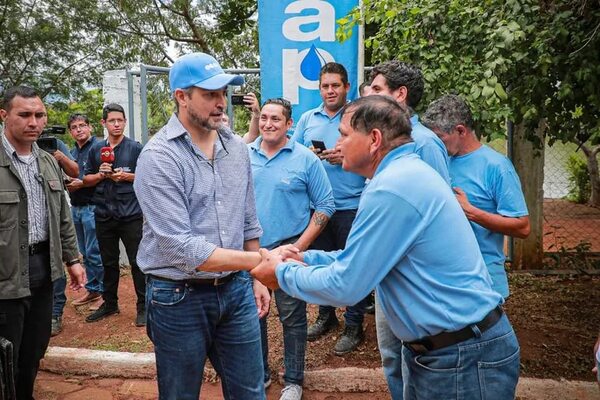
(291, 181)
(9, 210)
(54, 194)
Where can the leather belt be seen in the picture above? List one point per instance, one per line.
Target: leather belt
(446, 339)
(199, 281)
(39, 247)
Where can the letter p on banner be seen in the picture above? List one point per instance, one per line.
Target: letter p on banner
(296, 38)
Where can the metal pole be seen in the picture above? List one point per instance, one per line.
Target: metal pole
(509, 153)
(130, 102)
(361, 51)
(144, 102)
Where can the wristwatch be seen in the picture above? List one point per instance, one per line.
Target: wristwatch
(72, 262)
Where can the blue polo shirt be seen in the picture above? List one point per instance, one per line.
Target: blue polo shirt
(286, 187)
(430, 147)
(115, 200)
(315, 124)
(83, 196)
(491, 184)
(412, 242)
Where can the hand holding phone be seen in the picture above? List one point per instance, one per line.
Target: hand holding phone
(319, 144)
(237, 100)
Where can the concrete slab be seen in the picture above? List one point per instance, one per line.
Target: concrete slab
(110, 364)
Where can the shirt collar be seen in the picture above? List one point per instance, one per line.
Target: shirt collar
(289, 146)
(90, 141)
(414, 119)
(10, 150)
(404, 150)
(321, 110)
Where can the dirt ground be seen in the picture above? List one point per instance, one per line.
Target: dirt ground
(556, 320)
(571, 227)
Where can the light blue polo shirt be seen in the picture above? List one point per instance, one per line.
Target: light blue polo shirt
(315, 124)
(430, 147)
(491, 184)
(412, 242)
(286, 187)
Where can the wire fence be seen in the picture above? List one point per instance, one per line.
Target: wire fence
(570, 225)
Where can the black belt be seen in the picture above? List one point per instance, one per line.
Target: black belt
(39, 247)
(446, 339)
(196, 282)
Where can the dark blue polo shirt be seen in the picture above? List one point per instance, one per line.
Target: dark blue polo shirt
(83, 196)
(115, 200)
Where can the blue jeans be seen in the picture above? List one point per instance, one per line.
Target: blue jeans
(292, 314)
(390, 349)
(334, 237)
(483, 368)
(85, 227)
(188, 323)
(58, 297)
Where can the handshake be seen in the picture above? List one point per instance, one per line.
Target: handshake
(265, 270)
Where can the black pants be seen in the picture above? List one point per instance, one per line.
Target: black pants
(26, 322)
(108, 233)
(332, 238)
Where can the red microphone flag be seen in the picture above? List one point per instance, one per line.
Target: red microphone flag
(107, 155)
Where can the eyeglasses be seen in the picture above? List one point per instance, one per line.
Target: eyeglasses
(76, 127)
(115, 121)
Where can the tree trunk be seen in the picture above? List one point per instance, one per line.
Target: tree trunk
(592, 166)
(528, 159)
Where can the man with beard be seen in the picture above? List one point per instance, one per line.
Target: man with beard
(194, 184)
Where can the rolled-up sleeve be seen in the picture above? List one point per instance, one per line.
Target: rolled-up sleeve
(319, 189)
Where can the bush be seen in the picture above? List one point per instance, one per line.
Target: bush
(579, 180)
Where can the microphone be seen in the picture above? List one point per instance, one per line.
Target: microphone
(107, 155)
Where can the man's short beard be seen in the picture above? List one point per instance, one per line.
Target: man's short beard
(202, 123)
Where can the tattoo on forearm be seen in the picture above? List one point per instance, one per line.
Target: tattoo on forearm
(320, 219)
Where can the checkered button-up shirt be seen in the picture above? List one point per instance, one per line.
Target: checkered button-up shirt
(192, 205)
(28, 169)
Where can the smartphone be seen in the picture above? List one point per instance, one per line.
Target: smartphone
(319, 144)
(237, 100)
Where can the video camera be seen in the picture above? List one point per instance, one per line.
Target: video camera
(47, 141)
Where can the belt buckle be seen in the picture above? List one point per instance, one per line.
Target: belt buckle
(218, 281)
(418, 348)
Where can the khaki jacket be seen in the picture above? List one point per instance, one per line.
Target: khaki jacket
(14, 225)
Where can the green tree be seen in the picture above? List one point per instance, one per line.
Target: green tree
(89, 103)
(61, 47)
(511, 60)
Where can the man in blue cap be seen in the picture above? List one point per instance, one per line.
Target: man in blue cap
(194, 185)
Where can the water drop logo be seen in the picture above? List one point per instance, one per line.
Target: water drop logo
(311, 64)
(301, 70)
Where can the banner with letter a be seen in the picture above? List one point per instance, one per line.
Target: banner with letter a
(296, 38)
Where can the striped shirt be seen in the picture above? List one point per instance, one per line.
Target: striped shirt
(191, 204)
(29, 171)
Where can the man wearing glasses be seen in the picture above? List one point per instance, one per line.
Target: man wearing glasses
(194, 184)
(117, 213)
(82, 208)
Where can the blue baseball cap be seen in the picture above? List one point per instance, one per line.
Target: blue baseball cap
(200, 70)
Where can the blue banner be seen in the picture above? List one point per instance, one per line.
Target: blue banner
(295, 39)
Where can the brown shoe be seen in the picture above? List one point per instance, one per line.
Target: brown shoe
(96, 304)
(88, 298)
